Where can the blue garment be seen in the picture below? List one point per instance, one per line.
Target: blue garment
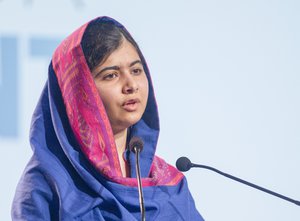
(60, 183)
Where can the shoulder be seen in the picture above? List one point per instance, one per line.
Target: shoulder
(33, 195)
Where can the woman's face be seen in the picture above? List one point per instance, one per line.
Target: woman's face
(123, 86)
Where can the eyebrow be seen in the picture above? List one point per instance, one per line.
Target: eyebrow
(117, 67)
(108, 68)
(135, 62)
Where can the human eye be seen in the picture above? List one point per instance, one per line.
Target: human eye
(110, 76)
(137, 71)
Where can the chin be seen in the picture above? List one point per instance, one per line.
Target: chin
(133, 121)
(130, 121)
(125, 120)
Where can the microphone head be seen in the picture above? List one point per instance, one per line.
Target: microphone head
(183, 164)
(135, 144)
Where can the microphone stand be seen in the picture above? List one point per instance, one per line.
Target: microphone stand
(137, 168)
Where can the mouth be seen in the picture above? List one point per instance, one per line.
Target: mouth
(131, 105)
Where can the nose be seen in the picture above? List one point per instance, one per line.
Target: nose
(130, 85)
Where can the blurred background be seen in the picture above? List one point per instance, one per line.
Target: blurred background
(226, 76)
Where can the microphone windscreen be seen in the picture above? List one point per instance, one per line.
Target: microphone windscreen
(137, 143)
(183, 164)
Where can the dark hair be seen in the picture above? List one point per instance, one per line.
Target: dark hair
(101, 37)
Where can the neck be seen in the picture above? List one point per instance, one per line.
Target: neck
(120, 140)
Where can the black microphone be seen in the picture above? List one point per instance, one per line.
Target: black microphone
(184, 164)
(136, 145)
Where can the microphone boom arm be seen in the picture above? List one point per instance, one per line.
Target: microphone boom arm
(247, 183)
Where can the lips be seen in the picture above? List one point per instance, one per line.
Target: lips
(131, 105)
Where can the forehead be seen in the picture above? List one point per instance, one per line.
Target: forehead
(125, 54)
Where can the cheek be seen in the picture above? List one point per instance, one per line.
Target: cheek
(107, 95)
(145, 89)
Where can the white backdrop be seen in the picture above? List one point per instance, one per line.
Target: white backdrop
(226, 76)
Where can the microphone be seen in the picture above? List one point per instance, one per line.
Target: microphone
(136, 146)
(184, 164)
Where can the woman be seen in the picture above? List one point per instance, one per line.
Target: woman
(98, 96)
